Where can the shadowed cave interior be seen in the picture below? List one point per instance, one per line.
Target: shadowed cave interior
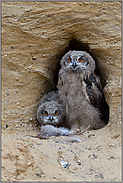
(77, 45)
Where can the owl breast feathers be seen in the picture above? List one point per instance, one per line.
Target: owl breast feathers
(81, 92)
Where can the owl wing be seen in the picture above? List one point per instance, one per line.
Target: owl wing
(94, 92)
(61, 78)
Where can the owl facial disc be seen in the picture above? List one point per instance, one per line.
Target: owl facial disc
(78, 61)
(50, 118)
(49, 113)
(74, 62)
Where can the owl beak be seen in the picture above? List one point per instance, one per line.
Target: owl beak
(51, 118)
(74, 64)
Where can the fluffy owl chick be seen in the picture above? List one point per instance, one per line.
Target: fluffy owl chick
(51, 110)
(81, 92)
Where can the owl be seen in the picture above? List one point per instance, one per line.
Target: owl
(51, 110)
(81, 92)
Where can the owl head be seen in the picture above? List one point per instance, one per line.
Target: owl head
(78, 61)
(49, 113)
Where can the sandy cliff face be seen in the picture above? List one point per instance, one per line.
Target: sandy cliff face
(35, 35)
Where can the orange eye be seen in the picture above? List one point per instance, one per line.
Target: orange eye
(69, 59)
(56, 113)
(81, 59)
(45, 113)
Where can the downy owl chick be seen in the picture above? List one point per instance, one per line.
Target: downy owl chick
(81, 92)
(51, 110)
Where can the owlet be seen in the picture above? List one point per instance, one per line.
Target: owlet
(81, 92)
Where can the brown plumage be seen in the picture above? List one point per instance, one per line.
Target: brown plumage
(81, 92)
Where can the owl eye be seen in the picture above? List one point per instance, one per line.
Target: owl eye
(81, 59)
(45, 113)
(56, 113)
(69, 59)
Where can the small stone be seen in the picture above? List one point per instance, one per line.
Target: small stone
(29, 163)
(95, 156)
(90, 135)
(20, 84)
(79, 163)
(34, 58)
(64, 164)
(6, 126)
(99, 176)
(57, 141)
(38, 174)
(111, 157)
